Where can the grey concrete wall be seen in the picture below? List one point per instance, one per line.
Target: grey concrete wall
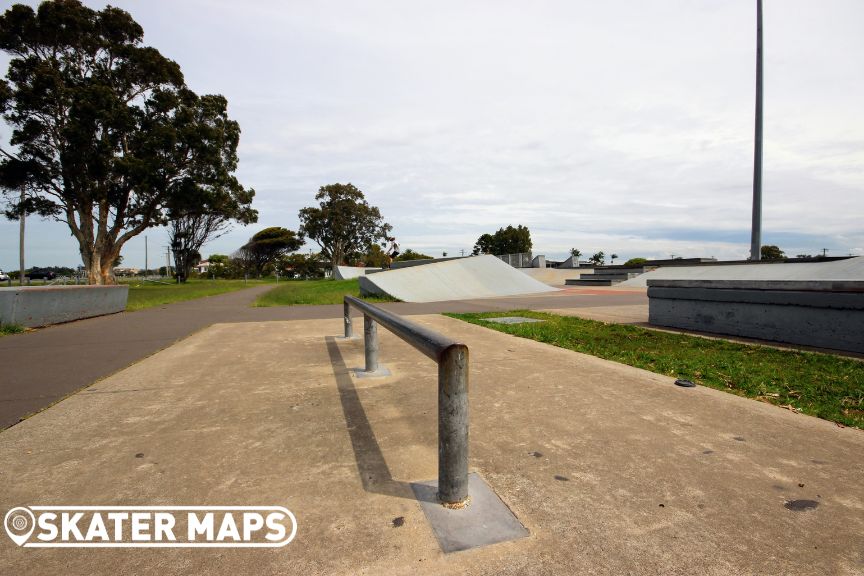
(822, 314)
(44, 305)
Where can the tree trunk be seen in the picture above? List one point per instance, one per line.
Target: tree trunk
(106, 274)
(99, 266)
(92, 263)
(335, 261)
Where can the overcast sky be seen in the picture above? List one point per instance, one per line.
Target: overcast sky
(623, 126)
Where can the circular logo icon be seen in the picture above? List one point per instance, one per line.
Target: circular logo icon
(19, 523)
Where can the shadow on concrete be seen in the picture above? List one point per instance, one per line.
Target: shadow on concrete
(371, 465)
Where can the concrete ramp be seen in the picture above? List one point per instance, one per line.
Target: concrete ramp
(350, 272)
(462, 279)
(849, 269)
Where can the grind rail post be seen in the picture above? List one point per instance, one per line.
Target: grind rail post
(452, 360)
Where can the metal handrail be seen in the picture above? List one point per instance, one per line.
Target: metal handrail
(452, 360)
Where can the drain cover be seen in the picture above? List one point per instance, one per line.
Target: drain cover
(512, 320)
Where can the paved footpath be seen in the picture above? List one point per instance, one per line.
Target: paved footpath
(42, 367)
(613, 470)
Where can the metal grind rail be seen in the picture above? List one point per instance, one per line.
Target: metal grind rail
(452, 360)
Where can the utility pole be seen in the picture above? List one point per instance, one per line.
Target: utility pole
(21, 241)
(756, 234)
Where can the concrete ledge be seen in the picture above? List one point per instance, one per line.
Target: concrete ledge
(45, 305)
(772, 285)
(826, 314)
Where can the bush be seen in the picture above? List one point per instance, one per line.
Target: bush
(635, 262)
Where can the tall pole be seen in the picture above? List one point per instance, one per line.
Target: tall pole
(146, 260)
(756, 235)
(21, 242)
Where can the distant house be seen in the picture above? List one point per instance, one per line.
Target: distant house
(202, 267)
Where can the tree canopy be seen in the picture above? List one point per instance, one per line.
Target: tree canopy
(267, 246)
(598, 258)
(771, 252)
(410, 254)
(106, 136)
(508, 240)
(343, 224)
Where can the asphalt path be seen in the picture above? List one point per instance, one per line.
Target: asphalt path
(40, 368)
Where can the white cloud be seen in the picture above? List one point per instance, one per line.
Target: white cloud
(622, 126)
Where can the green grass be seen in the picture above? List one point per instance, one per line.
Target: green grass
(148, 294)
(6, 329)
(823, 385)
(307, 292)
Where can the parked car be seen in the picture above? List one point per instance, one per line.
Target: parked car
(38, 274)
(3, 276)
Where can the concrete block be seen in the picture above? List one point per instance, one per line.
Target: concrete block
(812, 313)
(570, 262)
(539, 262)
(45, 305)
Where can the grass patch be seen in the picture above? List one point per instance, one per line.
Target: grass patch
(830, 387)
(308, 292)
(147, 294)
(6, 329)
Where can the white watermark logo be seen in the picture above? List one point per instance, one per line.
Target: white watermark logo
(150, 526)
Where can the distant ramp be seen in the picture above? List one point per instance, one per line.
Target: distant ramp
(350, 272)
(462, 279)
(848, 269)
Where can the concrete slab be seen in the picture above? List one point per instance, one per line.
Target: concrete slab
(612, 470)
(76, 354)
(513, 320)
(485, 521)
(460, 279)
(381, 372)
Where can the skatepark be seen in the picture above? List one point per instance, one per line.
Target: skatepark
(608, 469)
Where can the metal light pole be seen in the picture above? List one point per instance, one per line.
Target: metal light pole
(21, 242)
(756, 234)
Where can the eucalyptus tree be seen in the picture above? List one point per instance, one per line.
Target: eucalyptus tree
(110, 133)
(343, 224)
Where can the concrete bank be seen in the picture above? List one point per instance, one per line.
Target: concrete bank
(612, 469)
